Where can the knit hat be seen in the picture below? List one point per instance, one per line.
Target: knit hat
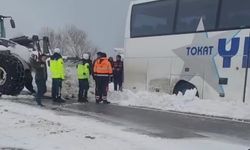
(57, 50)
(85, 56)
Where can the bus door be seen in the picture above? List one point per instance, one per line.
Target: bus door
(135, 73)
(158, 74)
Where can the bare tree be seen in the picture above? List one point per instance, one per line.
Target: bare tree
(75, 40)
(71, 40)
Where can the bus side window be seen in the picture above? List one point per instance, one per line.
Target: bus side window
(234, 14)
(154, 18)
(192, 11)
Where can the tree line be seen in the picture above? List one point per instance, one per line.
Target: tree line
(71, 40)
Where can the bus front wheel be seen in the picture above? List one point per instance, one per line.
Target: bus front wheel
(182, 86)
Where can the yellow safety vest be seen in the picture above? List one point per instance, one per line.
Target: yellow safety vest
(83, 71)
(57, 69)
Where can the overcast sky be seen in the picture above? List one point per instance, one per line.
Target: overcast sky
(103, 20)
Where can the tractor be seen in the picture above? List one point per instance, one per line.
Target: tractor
(16, 57)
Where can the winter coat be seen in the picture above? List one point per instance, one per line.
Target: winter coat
(40, 71)
(102, 67)
(89, 61)
(57, 66)
(118, 69)
(83, 70)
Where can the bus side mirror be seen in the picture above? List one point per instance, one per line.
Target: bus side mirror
(12, 23)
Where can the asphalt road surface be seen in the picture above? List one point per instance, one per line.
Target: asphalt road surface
(167, 124)
(161, 123)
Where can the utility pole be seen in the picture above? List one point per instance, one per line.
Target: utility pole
(246, 72)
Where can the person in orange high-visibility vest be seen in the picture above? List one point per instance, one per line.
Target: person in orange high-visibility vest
(102, 72)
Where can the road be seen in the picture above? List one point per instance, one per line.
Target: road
(163, 124)
(167, 124)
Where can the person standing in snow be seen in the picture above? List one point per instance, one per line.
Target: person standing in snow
(111, 60)
(98, 56)
(90, 63)
(102, 72)
(57, 74)
(83, 73)
(118, 73)
(40, 77)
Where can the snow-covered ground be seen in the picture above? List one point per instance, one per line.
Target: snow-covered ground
(29, 127)
(182, 103)
(33, 128)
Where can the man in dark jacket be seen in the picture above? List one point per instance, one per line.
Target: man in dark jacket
(40, 78)
(89, 61)
(111, 60)
(98, 55)
(118, 73)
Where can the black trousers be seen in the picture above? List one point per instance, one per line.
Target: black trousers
(28, 82)
(56, 88)
(41, 89)
(83, 88)
(118, 82)
(29, 86)
(101, 88)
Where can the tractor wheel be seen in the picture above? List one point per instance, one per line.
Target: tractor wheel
(11, 75)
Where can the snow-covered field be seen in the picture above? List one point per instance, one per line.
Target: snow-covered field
(29, 127)
(33, 128)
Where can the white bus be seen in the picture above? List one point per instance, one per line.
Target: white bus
(175, 45)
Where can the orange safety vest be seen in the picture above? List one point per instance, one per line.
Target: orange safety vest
(102, 67)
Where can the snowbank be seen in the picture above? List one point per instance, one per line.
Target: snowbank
(182, 103)
(26, 127)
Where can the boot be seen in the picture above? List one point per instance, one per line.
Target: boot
(106, 102)
(40, 104)
(97, 101)
(85, 100)
(55, 100)
(80, 100)
(60, 100)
